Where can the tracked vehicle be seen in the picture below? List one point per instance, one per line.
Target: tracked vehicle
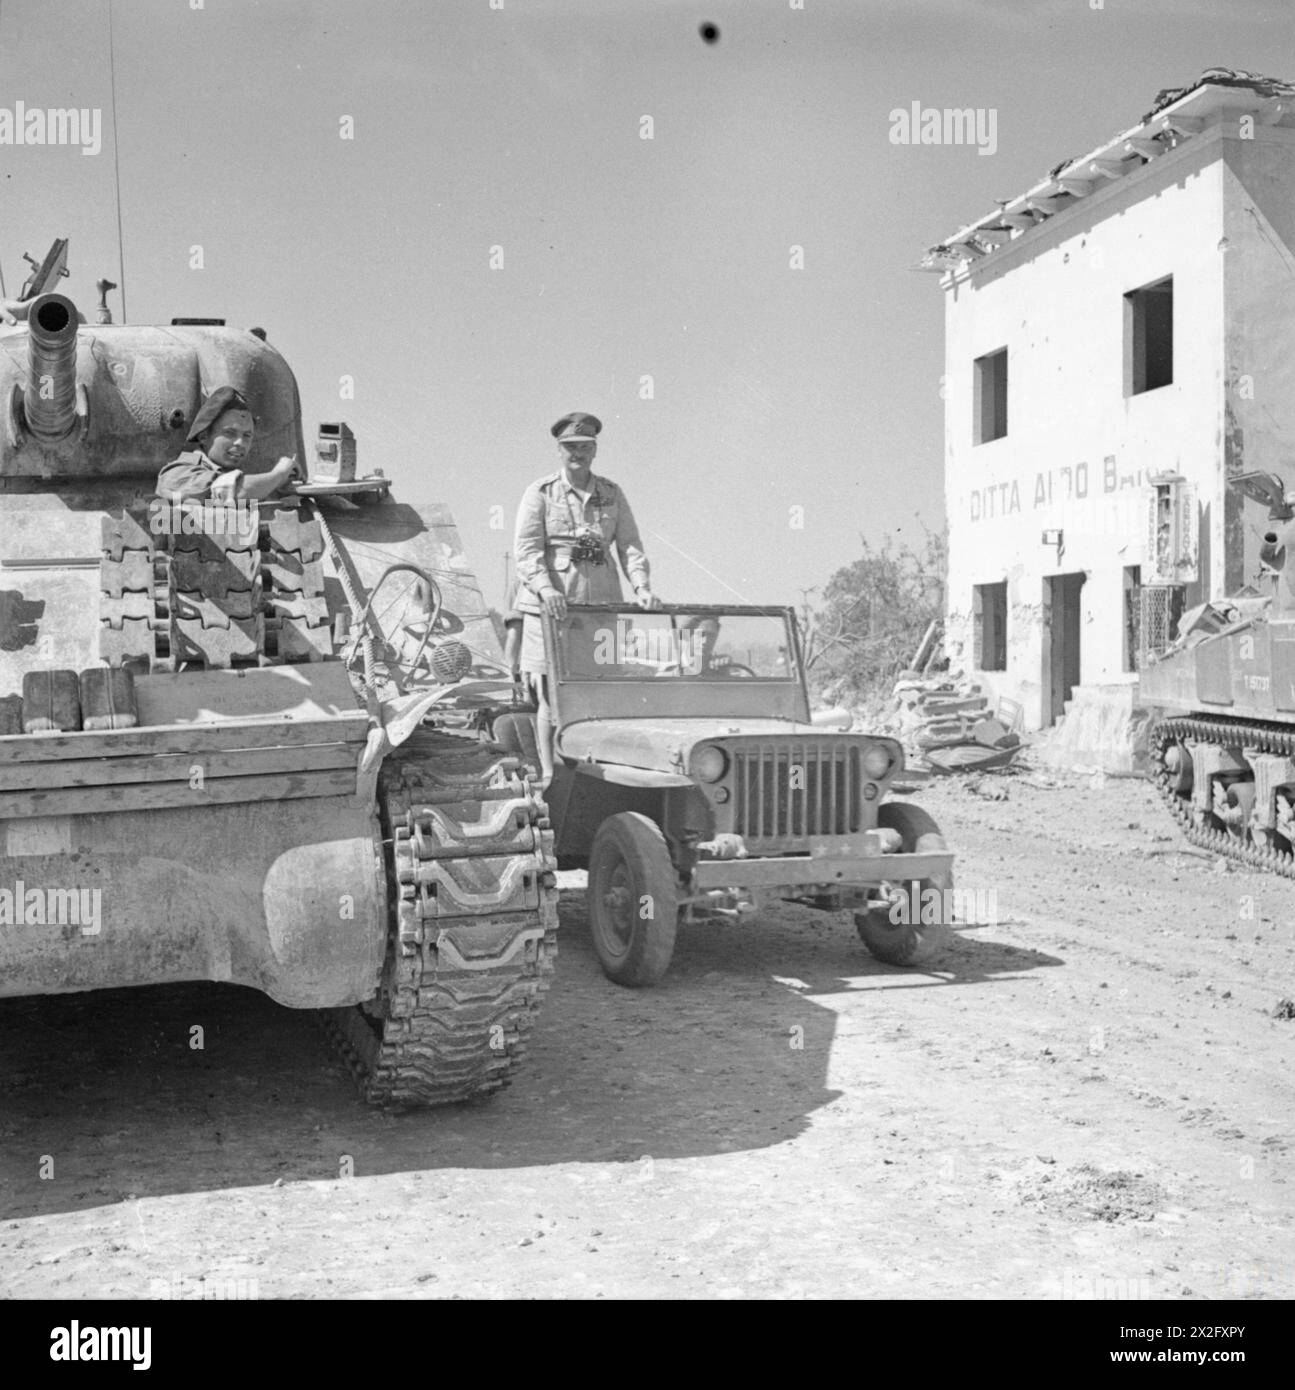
(237, 743)
(1223, 745)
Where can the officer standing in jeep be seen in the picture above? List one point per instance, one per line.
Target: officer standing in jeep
(568, 525)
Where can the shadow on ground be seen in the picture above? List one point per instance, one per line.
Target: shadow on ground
(108, 1096)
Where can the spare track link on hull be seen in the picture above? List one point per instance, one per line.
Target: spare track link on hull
(1228, 733)
(473, 934)
(216, 596)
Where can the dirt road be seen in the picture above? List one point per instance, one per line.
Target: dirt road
(1091, 1098)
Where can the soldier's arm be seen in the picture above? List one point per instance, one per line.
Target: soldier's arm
(260, 485)
(530, 542)
(629, 548)
(530, 551)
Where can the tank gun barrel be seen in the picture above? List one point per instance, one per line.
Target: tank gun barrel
(49, 401)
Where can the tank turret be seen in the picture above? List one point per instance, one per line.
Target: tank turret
(97, 402)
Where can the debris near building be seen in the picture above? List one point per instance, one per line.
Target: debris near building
(943, 718)
(945, 725)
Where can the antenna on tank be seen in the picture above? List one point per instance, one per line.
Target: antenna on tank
(116, 165)
(4, 293)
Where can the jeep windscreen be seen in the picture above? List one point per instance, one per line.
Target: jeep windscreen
(677, 662)
(634, 645)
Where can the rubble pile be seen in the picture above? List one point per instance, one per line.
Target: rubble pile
(945, 724)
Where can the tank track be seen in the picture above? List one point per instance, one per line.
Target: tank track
(1229, 733)
(473, 927)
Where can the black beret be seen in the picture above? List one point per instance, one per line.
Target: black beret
(223, 398)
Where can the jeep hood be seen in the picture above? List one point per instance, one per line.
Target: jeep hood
(664, 745)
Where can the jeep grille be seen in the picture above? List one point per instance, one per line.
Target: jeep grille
(774, 810)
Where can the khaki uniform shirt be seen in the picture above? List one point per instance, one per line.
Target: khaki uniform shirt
(191, 477)
(551, 513)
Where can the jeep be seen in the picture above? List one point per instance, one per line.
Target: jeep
(690, 782)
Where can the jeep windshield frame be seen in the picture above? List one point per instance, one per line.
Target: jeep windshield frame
(619, 661)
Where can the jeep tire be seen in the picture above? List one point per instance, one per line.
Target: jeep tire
(907, 943)
(633, 898)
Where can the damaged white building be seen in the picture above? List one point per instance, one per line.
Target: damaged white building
(1119, 340)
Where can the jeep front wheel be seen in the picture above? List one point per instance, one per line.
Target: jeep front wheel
(633, 899)
(908, 942)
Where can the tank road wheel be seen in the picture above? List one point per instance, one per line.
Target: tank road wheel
(1177, 762)
(907, 943)
(1181, 755)
(633, 899)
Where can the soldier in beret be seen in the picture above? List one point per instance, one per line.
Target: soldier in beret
(222, 430)
(572, 527)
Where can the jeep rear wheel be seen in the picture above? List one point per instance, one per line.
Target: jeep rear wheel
(907, 942)
(633, 898)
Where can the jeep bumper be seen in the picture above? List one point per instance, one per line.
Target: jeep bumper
(857, 862)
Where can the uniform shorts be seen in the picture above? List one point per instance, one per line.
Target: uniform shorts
(532, 655)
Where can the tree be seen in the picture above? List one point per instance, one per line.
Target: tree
(874, 613)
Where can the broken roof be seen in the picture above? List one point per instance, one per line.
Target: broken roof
(1177, 114)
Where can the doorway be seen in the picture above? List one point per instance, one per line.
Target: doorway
(1061, 642)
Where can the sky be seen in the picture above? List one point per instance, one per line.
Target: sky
(764, 409)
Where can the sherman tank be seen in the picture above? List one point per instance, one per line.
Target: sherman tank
(1222, 746)
(238, 743)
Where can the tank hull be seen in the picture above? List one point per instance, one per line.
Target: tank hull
(1248, 673)
(224, 840)
(287, 897)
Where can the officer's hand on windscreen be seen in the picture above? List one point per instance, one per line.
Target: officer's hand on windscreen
(647, 600)
(555, 603)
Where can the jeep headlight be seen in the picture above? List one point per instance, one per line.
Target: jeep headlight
(876, 761)
(709, 763)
